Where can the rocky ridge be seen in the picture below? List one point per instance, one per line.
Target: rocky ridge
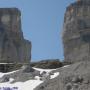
(73, 77)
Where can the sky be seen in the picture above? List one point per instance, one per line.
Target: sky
(42, 24)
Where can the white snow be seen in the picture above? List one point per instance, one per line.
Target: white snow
(11, 80)
(55, 75)
(2, 74)
(41, 70)
(37, 77)
(47, 73)
(65, 66)
(28, 85)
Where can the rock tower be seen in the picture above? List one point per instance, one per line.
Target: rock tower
(13, 47)
(76, 31)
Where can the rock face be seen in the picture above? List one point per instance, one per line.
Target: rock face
(76, 33)
(76, 39)
(13, 47)
(73, 77)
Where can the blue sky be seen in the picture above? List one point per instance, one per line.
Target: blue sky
(42, 22)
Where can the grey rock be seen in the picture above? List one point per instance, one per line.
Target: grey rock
(5, 79)
(20, 75)
(75, 85)
(76, 33)
(77, 79)
(68, 86)
(27, 69)
(73, 77)
(13, 47)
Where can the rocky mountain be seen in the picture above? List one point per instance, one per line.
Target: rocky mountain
(13, 47)
(76, 40)
(76, 32)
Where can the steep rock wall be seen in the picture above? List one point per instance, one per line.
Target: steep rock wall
(13, 47)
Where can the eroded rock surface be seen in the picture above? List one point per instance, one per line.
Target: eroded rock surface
(13, 47)
(76, 32)
(73, 77)
(76, 40)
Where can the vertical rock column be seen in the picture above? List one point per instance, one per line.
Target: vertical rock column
(76, 31)
(13, 47)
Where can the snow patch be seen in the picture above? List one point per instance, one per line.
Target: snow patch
(55, 75)
(41, 70)
(29, 84)
(65, 66)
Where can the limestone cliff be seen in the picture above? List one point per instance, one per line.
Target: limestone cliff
(76, 40)
(13, 47)
(76, 32)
